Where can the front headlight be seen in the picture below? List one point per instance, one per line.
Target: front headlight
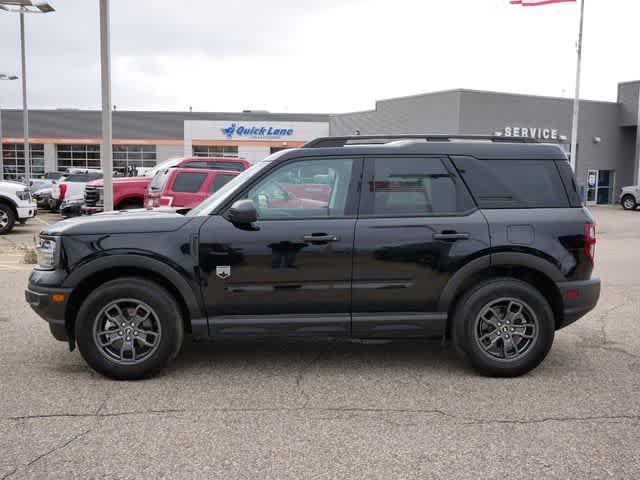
(23, 195)
(47, 251)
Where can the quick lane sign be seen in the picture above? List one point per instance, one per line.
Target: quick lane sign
(235, 130)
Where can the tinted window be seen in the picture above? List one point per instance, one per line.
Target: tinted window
(289, 192)
(53, 175)
(158, 181)
(219, 182)
(188, 182)
(513, 183)
(415, 186)
(79, 177)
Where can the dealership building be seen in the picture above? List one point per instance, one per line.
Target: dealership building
(608, 139)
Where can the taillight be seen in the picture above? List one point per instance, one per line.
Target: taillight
(166, 201)
(63, 189)
(590, 241)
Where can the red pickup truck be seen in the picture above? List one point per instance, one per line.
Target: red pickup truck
(129, 192)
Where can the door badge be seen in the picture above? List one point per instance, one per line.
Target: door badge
(223, 271)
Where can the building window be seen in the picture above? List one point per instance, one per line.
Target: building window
(13, 160)
(126, 158)
(78, 156)
(130, 159)
(215, 151)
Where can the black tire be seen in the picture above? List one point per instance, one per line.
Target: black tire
(629, 202)
(7, 219)
(165, 313)
(490, 299)
(130, 204)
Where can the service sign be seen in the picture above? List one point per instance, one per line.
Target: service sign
(538, 133)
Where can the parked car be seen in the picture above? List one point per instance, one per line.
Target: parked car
(43, 197)
(67, 196)
(45, 181)
(16, 205)
(131, 192)
(185, 187)
(630, 197)
(420, 237)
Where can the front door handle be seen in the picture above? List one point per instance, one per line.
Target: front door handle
(320, 238)
(451, 236)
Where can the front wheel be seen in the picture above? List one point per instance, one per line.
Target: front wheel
(129, 329)
(7, 219)
(629, 202)
(504, 327)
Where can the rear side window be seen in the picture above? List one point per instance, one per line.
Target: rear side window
(415, 186)
(513, 183)
(188, 182)
(219, 182)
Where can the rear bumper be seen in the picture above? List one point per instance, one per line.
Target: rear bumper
(54, 313)
(579, 298)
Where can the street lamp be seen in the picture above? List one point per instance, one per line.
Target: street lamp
(21, 7)
(3, 77)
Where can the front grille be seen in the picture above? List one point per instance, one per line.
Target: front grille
(92, 195)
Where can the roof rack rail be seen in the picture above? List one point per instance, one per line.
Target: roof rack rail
(323, 142)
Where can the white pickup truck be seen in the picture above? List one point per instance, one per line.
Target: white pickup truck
(68, 193)
(15, 205)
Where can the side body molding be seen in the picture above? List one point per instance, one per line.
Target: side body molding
(166, 271)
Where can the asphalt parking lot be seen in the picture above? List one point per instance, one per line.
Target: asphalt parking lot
(321, 409)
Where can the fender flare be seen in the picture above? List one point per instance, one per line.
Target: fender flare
(506, 259)
(173, 276)
(8, 200)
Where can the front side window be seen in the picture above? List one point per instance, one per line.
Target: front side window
(414, 186)
(308, 188)
(188, 182)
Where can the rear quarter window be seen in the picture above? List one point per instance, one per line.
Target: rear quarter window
(188, 182)
(513, 183)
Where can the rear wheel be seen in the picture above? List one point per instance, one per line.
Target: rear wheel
(504, 327)
(7, 218)
(130, 204)
(629, 202)
(129, 329)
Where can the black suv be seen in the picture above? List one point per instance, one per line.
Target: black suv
(481, 240)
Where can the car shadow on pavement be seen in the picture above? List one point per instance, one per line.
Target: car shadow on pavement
(291, 352)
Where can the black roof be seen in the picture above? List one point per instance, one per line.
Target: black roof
(498, 148)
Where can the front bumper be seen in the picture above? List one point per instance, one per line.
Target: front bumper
(579, 298)
(27, 212)
(90, 210)
(54, 313)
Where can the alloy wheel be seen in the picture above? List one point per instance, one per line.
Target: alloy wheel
(505, 329)
(127, 331)
(4, 220)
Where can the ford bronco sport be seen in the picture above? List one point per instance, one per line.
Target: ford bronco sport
(480, 240)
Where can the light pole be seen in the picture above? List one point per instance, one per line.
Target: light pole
(107, 140)
(3, 77)
(22, 7)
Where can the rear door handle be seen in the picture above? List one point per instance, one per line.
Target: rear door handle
(453, 236)
(320, 238)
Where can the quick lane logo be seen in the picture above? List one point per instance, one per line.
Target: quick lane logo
(234, 130)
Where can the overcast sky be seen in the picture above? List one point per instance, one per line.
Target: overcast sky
(314, 56)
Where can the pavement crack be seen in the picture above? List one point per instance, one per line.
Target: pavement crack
(50, 452)
(97, 414)
(301, 374)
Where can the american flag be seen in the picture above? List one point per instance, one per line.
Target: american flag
(537, 3)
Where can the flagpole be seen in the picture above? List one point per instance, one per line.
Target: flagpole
(576, 100)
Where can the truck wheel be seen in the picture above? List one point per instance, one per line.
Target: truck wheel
(7, 219)
(504, 327)
(130, 204)
(629, 202)
(129, 329)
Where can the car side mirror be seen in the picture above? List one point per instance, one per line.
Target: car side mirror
(242, 212)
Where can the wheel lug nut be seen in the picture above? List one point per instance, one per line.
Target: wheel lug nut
(120, 333)
(513, 329)
(128, 338)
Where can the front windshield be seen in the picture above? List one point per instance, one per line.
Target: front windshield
(215, 200)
